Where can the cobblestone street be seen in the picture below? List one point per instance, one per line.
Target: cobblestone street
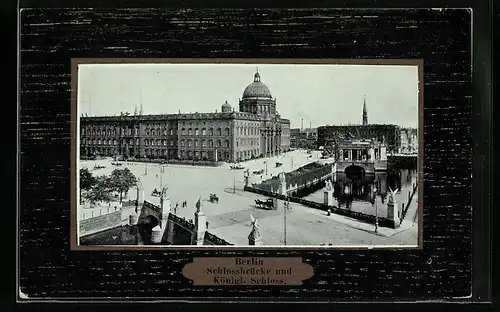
(230, 218)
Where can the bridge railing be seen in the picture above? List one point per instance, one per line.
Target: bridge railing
(320, 206)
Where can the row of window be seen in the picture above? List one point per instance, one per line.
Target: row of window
(203, 143)
(171, 131)
(130, 142)
(128, 131)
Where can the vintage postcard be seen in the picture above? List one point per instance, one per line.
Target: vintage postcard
(247, 155)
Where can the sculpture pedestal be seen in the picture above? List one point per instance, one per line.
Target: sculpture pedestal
(328, 198)
(133, 218)
(156, 235)
(392, 213)
(200, 227)
(254, 239)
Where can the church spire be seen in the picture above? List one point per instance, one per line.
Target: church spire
(365, 115)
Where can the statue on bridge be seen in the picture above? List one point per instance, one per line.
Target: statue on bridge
(254, 224)
(329, 186)
(198, 205)
(392, 195)
(282, 178)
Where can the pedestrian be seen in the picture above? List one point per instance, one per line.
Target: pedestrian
(207, 224)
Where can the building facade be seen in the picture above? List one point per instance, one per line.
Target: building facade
(409, 141)
(396, 138)
(304, 138)
(389, 134)
(255, 130)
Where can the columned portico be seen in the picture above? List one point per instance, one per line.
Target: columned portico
(366, 154)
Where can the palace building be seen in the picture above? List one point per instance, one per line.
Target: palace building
(255, 130)
(391, 135)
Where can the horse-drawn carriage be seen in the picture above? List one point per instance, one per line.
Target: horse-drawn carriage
(116, 164)
(261, 171)
(278, 164)
(96, 167)
(236, 167)
(265, 204)
(213, 198)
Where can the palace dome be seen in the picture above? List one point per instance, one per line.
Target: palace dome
(257, 89)
(226, 108)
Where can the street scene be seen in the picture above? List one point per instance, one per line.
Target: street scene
(244, 174)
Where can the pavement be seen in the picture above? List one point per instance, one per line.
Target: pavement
(230, 218)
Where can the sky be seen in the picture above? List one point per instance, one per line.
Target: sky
(318, 94)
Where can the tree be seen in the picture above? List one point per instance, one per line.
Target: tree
(101, 191)
(122, 180)
(87, 180)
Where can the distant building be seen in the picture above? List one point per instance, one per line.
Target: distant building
(409, 141)
(255, 130)
(391, 135)
(303, 138)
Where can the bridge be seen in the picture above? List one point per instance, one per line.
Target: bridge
(359, 157)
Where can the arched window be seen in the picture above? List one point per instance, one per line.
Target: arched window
(190, 131)
(171, 131)
(226, 131)
(210, 143)
(226, 143)
(146, 142)
(203, 143)
(218, 132)
(195, 143)
(153, 132)
(211, 131)
(130, 131)
(196, 131)
(158, 131)
(99, 132)
(218, 144)
(189, 143)
(146, 131)
(136, 141)
(183, 143)
(99, 142)
(164, 142)
(203, 131)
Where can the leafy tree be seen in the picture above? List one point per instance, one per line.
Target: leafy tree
(87, 180)
(101, 191)
(122, 180)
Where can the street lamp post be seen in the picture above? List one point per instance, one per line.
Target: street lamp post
(234, 185)
(286, 206)
(376, 210)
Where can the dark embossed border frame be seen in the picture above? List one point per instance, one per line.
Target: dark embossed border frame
(482, 152)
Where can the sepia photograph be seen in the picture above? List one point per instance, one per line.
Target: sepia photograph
(225, 155)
